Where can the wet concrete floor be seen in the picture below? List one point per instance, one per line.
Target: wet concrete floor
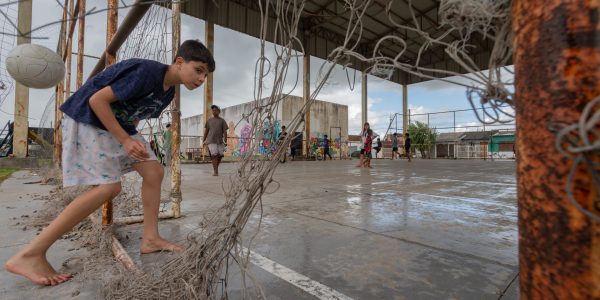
(429, 229)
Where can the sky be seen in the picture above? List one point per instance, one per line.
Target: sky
(236, 55)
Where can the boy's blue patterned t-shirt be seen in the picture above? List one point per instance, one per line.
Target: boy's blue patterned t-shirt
(138, 86)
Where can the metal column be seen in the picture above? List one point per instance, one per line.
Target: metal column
(404, 109)
(306, 97)
(21, 123)
(557, 67)
(364, 104)
(209, 37)
(111, 28)
(175, 195)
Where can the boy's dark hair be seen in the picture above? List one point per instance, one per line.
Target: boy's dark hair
(283, 127)
(324, 135)
(407, 134)
(168, 125)
(395, 134)
(194, 50)
(215, 106)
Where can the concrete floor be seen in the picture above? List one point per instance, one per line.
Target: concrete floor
(430, 229)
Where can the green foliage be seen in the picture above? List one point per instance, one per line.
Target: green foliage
(422, 138)
(5, 172)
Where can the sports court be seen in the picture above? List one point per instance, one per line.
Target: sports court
(428, 229)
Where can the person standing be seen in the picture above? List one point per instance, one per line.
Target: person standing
(395, 146)
(363, 141)
(407, 146)
(280, 142)
(326, 148)
(215, 134)
(378, 146)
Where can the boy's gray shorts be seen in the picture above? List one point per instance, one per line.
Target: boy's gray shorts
(92, 156)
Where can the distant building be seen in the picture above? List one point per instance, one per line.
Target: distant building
(445, 144)
(326, 118)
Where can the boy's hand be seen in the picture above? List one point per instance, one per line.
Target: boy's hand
(136, 149)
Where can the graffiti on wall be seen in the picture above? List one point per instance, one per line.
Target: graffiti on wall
(241, 145)
(336, 146)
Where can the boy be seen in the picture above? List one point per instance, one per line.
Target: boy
(215, 132)
(407, 146)
(326, 148)
(282, 136)
(100, 143)
(395, 146)
(378, 147)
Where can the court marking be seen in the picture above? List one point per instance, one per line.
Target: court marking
(298, 280)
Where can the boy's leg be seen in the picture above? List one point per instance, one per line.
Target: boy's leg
(152, 174)
(31, 261)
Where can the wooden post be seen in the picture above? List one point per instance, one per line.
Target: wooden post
(209, 33)
(21, 125)
(306, 97)
(176, 120)
(59, 96)
(364, 100)
(80, 44)
(557, 67)
(405, 117)
(111, 29)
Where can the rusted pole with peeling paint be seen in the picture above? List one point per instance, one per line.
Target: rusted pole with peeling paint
(557, 67)
(59, 95)
(80, 45)
(175, 195)
(111, 28)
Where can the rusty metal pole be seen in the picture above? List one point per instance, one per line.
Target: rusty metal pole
(135, 14)
(306, 97)
(80, 44)
(21, 126)
(59, 95)
(557, 65)
(176, 120)
(209, 33)
(111, 29)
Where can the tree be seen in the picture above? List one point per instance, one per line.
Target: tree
(422, 138)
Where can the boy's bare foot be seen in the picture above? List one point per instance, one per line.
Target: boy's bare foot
(36, 269)
(150, 246)
(215, 174)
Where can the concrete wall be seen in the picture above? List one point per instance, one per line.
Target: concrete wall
(324, 115)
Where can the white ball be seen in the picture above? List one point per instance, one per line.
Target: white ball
(35, 66)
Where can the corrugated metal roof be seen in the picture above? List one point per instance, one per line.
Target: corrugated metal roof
(323, 28)
(476, 136)
(448, 137)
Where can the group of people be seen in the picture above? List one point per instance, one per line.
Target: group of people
(366, 146)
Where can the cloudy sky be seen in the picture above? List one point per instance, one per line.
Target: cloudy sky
(236, 54)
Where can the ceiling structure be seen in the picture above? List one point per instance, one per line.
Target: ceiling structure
(323, 26)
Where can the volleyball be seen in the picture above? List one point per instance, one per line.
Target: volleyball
(35, 66)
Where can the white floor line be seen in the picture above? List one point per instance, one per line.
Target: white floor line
(300, 281)
(306, 284)
(514, 185)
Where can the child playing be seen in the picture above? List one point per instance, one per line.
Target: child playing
(395, 146)
(100, 143)
(407, 144)
(326, 148)
(368, 147)
(363, 140)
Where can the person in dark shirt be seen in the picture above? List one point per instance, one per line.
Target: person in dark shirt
(100, 143)
(407, 146)
(326, 148)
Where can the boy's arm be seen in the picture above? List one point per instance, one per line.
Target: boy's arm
(205, 134)
(100, 104)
